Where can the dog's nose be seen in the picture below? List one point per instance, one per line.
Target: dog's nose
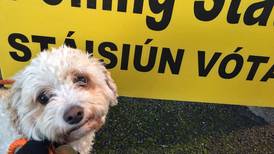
(74, 115)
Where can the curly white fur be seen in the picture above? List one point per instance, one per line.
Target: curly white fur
(54, 72)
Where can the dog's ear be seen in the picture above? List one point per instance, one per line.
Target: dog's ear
(112, 86)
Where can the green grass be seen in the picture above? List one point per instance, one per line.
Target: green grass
(150, 126)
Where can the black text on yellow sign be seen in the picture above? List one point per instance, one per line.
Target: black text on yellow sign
(206, 51)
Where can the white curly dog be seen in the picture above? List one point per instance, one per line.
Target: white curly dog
(63, 96)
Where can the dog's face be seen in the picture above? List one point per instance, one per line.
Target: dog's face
(61, 96)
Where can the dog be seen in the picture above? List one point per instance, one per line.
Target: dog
(62, 96)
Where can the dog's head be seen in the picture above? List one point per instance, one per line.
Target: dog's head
(61, 96)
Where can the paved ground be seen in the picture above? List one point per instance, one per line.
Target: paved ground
(150, 126)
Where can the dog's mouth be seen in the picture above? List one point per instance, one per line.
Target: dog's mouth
(87, 125)
(89, 119)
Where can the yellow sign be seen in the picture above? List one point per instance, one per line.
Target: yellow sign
(213, 51)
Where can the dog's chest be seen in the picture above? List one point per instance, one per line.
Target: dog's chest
(8, 134)
(84, 145)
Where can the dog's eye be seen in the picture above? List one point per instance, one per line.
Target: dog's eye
(43, 98)
(81, 80)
